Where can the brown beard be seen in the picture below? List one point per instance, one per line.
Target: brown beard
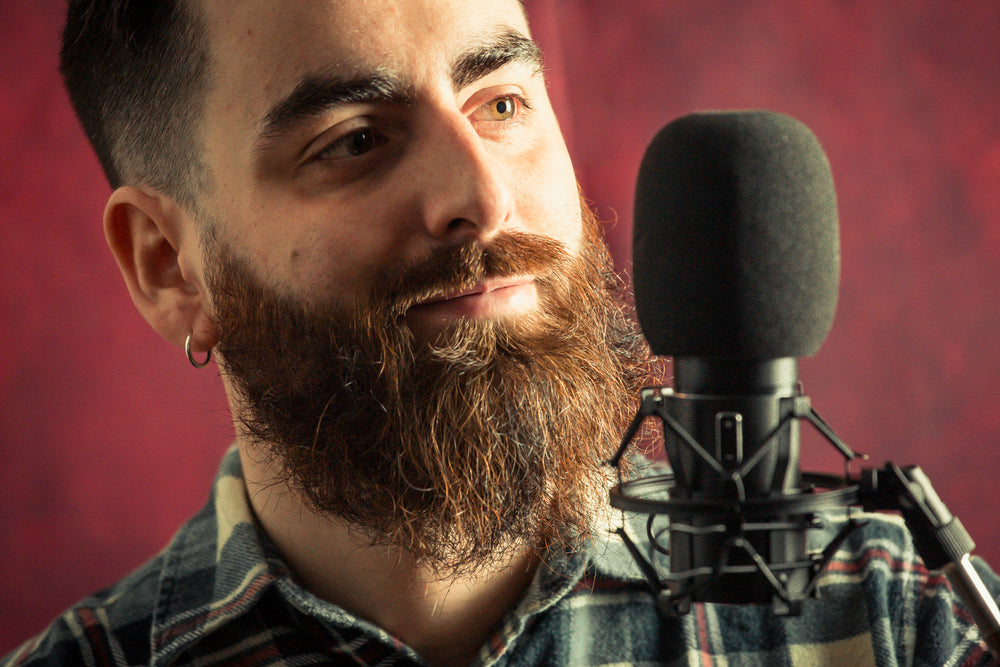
(493, 437)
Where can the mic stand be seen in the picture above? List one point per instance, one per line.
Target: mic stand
(940, 538)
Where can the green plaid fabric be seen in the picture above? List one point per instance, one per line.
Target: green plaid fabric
(220, 594)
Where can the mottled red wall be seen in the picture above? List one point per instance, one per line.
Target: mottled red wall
(108, 439)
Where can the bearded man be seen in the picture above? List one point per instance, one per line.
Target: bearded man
(366, 215)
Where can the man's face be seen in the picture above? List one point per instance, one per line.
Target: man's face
(349, 137)
(413, 318)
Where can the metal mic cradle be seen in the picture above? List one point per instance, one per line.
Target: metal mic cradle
(734, 524)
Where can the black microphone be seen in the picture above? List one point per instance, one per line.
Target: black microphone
(736, 266)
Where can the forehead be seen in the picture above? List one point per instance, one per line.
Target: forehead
(261, 48)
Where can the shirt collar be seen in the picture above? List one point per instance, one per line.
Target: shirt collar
(216, 567)
(220, 564)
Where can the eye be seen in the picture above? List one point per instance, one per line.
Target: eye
(500, 109)
(351, 145)
(503, 108)
(357, 143)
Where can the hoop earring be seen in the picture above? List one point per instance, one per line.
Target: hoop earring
(195, 362)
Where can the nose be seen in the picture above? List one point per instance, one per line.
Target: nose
(463, 188)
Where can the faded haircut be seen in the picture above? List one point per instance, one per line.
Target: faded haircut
(136, 73)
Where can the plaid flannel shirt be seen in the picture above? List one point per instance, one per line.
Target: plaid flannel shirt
(220, 594)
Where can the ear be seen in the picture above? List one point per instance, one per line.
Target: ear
(156, 246)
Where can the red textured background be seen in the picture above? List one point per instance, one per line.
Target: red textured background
(109, 440)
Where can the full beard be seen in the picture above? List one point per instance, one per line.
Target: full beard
(492, 438)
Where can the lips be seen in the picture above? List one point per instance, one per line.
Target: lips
(492, 298)
(486, 287)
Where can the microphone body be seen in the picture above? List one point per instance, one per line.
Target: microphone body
(736, 410)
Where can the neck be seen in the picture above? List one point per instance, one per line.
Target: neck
(446, 618)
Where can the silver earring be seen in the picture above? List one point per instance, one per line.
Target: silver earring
(195, 362)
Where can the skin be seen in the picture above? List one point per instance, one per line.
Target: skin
(319, 205)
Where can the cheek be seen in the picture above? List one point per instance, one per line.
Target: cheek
(547, 194)
(332, 261)
(313, 250)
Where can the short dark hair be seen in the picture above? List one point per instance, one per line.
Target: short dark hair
(136, 72)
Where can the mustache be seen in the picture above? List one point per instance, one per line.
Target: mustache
(453, 268)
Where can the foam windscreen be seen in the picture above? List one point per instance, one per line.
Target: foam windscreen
(736, 250)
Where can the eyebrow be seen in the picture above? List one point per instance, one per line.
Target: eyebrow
(316, 94)
(506, 47)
